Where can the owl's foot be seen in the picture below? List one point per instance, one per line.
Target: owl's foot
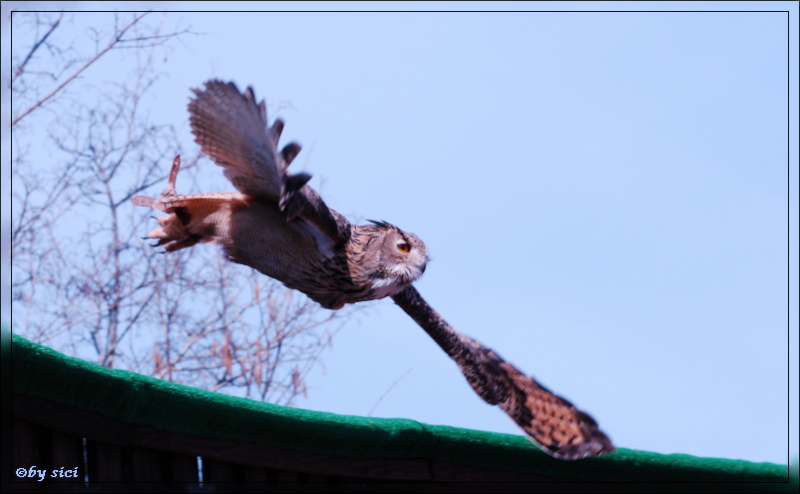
(173, 234)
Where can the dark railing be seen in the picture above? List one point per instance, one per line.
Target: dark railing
(80, 427)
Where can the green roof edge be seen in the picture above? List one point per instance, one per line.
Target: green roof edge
(41, 372)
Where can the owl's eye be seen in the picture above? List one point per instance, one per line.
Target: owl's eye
(404, 248)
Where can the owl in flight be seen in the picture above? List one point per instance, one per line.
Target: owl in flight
(280, 226)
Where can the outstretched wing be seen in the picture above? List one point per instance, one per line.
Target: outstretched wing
(232, 128)
(552, 422)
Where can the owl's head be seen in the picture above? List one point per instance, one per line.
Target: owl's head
(396, 257)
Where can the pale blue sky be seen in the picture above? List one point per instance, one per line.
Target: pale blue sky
(603, 196)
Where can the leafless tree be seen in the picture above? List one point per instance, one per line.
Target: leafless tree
(83, 281)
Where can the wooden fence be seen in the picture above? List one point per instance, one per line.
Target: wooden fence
(78, 427)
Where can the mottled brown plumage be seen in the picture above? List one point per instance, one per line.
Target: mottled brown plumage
(280, 226)
(275, 223)
(550, 421)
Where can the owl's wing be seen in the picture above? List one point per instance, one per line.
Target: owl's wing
(232, 129)
(552, 422)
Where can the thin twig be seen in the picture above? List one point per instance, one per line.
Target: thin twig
(385, 393)
(116, 40)
(36, 47)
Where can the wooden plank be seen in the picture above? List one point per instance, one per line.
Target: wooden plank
(67, 457)
(25, 441)
(104, 461)
(183, 468)
(286, 462)
(257, 474)
(145, 465)
(217, 471)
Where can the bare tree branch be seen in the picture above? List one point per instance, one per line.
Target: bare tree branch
(114, 43)
(84, 280)
(36, 46)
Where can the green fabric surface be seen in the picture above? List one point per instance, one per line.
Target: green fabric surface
(44, 373)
